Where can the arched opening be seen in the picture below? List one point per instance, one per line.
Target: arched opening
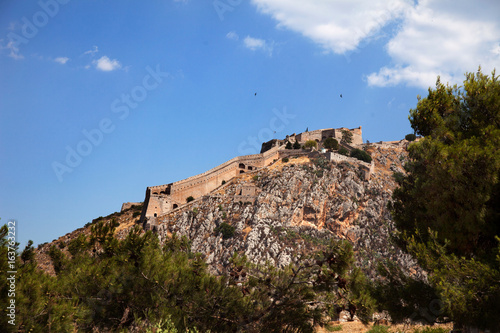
(242, 166)
(250, 167)
(155, 193)
(175, 206)
(242, 171)
(156, 215)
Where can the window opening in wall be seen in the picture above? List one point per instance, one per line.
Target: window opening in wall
(175, 206)
(242, 166)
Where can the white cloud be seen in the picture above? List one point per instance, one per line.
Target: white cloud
(12, 48)
(61, 60)
(105, 64)
(337, 25)
(92, 52)
(232, 35)
(434, 37)
(446, 38)
(255, 44)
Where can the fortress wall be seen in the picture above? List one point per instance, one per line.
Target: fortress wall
(127, 205)
(158, 205)
(204, 183)
(162, 198)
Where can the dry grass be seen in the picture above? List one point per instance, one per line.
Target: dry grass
(358, 327)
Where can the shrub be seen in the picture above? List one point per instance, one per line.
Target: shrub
(361, 155)
(189, 199)
(343, 151)
(288, 145)
(226, 230)
(285, 159)
(331, 143)
(335, 328)
(296, 145)
(256, 177)
(310, 144)
(135, 214)
(410, 137)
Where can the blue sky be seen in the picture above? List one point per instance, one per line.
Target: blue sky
(100, 99)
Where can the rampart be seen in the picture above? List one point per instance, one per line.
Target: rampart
(162, 199)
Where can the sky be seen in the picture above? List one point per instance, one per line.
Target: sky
(100, 99)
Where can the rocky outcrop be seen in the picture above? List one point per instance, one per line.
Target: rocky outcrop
(299, 206)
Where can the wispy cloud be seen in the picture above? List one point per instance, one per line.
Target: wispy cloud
(232, 35)
(92, 51)
(107, 65)
(12, 49)
(255, 44)
(61, 60)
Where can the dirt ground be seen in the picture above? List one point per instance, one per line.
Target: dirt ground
(358, 327)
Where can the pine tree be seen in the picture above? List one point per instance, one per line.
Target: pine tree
(447, 207)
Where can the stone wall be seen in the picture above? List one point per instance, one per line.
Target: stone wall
(338, 158)
(162, 199)
(127, 205)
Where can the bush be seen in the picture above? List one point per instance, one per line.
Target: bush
(310, 144)
(285, 159)
(288, 145)
(331, 143)
(135, 214)
(343, 151)
(410, 137)
(189, 199)
(226, 230)
(361, 155)
(296, 145)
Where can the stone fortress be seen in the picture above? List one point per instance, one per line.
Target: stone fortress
(163, 199)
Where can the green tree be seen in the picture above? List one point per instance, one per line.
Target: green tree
(346, 136)
(447, 207)
(288, 145)
(311, 144)
(361, 155)
(296, 145)
(344, 151)
(331, 144)
(410, 137)
(189, 199)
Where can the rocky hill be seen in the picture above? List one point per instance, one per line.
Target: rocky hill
(298, 205)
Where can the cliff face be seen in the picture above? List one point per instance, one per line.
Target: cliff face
(298, 206)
